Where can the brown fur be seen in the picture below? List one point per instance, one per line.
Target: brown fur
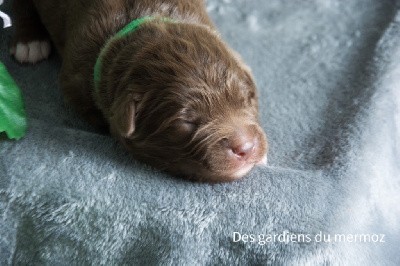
(173, 93)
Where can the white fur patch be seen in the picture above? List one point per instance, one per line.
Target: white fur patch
(6, 19)
(31, 52)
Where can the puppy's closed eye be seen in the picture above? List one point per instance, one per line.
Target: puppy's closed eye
(184, 127)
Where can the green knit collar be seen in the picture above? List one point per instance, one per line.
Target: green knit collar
(131, 27)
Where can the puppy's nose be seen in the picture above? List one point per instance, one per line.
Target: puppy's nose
(242, 146)
(244, 150)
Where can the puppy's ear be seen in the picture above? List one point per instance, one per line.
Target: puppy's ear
(123, 115)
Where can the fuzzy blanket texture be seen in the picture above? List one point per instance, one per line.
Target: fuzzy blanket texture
(328, 73)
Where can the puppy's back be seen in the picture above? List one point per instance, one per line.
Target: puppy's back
(66, 19)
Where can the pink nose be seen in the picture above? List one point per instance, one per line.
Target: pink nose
(244, 150)
(242, 146)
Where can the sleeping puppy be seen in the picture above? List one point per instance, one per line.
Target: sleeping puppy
(157, 74)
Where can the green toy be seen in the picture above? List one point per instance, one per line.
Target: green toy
(12, 112)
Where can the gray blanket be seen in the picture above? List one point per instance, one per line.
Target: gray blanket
(328, 73)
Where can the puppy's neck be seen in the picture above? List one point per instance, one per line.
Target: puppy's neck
(123, 54)
(124, 32)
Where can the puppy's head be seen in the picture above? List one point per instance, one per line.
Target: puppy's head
(188, 105)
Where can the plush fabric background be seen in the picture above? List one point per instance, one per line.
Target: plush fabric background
(328, 73)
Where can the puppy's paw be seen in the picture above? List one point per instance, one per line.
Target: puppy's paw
(31, 52)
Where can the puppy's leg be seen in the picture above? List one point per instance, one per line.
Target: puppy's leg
(31, 41)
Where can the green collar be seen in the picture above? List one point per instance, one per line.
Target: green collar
(131, 27)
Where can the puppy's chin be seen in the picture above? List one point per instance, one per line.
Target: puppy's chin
(229, 175)
(225, 170)
(245, 168)
(238, 171)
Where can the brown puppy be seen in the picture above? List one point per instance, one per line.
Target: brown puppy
(171, 91)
